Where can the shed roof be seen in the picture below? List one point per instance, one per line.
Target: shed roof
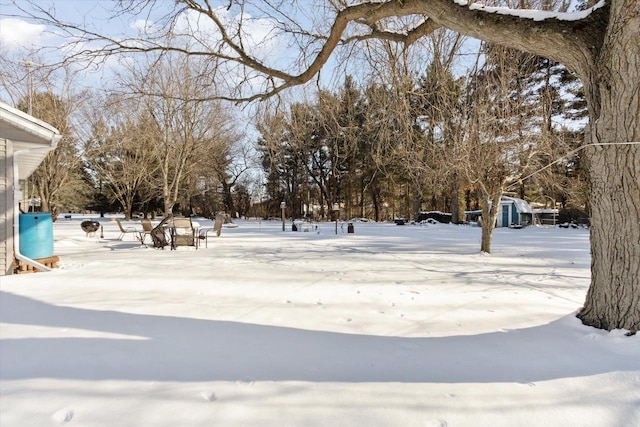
(521, 205)
(27, 132)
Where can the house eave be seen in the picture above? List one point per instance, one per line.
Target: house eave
(31, 137)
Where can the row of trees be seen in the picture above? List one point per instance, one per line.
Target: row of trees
(150, 144)
(157, 140)
(396, 146)
(380, 148)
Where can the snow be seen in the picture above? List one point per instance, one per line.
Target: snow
(389, 326)
(536, 15)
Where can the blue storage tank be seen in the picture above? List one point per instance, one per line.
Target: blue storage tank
(36, 235)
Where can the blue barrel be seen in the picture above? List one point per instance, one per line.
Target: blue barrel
(36, 235)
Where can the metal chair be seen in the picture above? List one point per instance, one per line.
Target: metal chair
(216, 229)
(147, 228)
(159, 233)
(128, 230)
(183, 233)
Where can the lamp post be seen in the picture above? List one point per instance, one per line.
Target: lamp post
(336, 210)
(29, 64)
(283, 206)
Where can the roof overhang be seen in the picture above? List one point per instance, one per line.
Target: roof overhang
(521, 205)
(27, 133)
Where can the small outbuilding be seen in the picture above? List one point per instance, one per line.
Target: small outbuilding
(24, 143)
(514, 213)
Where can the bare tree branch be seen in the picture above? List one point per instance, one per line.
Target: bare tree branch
(572, 42)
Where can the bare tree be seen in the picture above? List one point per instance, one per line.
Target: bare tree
(501, 141)
(279, 146)
(119, 148)
(440, 114)
(184, 124)
(229, 164)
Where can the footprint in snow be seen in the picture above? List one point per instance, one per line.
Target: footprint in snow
(63, 416)
(247, 381)
(208, 396)
(436, 423)
(527, 384)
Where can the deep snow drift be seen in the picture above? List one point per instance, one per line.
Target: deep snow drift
(389, 326)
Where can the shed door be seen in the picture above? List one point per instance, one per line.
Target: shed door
(515, 216)
(505, 215)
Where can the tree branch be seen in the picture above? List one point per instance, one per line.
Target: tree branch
(575, 43)
(572, 42)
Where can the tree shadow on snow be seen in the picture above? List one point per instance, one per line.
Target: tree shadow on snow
(163, 348)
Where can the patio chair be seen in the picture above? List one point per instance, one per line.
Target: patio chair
(158, 234)
(127, 230)
(183, 233)
(147, 228)
(216, 229)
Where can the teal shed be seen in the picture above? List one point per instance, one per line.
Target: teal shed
(514, 213)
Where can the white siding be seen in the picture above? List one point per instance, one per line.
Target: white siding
(6, 207)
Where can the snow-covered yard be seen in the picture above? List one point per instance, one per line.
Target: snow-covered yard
(389, 326)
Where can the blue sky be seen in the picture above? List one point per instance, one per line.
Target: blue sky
(26, 40)
(17, 31)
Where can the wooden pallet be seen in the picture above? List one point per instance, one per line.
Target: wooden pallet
(21, 267)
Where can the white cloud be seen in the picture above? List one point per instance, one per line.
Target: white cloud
(144, 26)
(16, 34)
(261, 36)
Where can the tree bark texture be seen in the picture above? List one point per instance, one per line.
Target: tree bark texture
(613, 299)
(490, 209)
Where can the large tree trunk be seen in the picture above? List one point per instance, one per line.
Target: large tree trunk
(416, 205)
(457, 202)
(613, 299)
(490, 209)
(167, 200)
(227, 199)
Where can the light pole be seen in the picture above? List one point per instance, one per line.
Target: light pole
(283, 206)
(29, 64)
(336, 210)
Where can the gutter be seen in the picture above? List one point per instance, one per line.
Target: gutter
(16, 212)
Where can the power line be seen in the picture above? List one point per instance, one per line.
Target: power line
(571, 153)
